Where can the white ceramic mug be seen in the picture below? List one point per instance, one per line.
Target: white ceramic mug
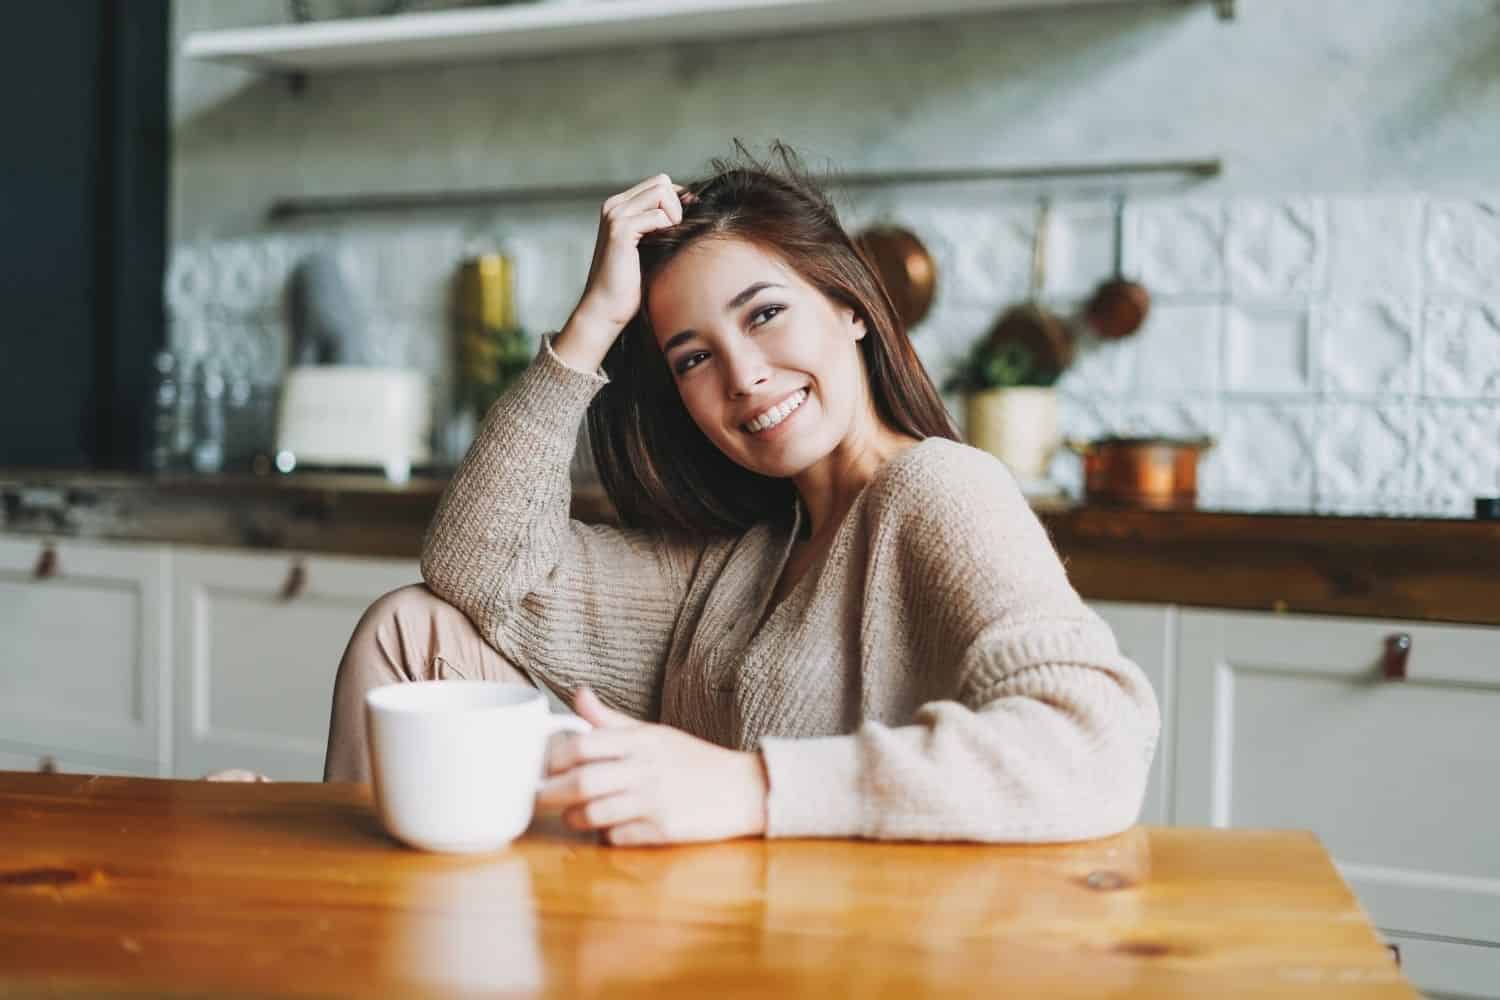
(457, 763)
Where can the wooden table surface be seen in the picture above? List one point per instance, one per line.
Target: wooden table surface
(116, 886)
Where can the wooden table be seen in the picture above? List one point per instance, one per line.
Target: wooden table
(112, 886)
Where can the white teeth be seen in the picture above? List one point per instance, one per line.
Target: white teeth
(778, 413)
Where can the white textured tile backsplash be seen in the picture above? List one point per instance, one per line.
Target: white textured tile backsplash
(1343, 352)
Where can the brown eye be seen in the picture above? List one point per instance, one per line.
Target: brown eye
(764, 315)
(691, 361)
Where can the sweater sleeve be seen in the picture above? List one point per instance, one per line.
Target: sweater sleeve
(567, 602)
(1046, 732)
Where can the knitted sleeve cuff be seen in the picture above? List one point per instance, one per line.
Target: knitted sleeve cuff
(814, 787)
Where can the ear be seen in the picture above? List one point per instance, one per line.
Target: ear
(857, 323)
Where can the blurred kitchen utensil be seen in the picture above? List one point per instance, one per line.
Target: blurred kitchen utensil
(327, 319)
(906, 268)
(1119, 305)
(1156, 473)
(1030, 324)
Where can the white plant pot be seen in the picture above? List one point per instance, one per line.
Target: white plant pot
(1018, 426)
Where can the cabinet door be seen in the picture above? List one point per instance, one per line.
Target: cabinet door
(259, 638)
(17, 757)
(84, 662)
(1287, 721)
(1145, 633)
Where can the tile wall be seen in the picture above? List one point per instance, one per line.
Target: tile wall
(1343, 351)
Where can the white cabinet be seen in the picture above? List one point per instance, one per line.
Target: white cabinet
(1145, 633)
(15, 757)
(1288, 721)
(259, 638)
(84, 658)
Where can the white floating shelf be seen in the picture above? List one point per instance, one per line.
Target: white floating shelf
(549, 26)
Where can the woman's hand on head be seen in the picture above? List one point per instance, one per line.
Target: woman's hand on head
(641, 783)
(613, 292)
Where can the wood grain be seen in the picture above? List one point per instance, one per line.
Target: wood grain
(1423, 569)
(115, 886)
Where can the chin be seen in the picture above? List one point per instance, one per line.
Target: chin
(787, 461)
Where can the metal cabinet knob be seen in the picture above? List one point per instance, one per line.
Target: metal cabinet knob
(46, 563)
(296, 581)
(1397, 649)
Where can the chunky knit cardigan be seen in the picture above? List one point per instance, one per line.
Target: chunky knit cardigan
(933, 677)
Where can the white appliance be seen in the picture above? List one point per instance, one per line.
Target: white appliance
(354, 417)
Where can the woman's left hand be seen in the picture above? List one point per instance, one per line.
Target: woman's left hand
(648, 784)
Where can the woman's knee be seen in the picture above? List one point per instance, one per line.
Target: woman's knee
(406, 602)
(416, 635)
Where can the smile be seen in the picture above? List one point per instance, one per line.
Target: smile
(777, 413)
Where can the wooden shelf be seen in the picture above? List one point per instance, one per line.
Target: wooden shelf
(539, 28)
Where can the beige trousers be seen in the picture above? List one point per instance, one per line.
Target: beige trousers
(410, 634)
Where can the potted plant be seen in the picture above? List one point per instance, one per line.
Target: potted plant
(1007, 380)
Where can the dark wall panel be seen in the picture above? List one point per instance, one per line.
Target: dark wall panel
(82, 206)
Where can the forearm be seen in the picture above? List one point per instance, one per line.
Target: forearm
(1066, 760)
(510, 494)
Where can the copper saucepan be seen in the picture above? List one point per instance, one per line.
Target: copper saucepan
(1156, 473)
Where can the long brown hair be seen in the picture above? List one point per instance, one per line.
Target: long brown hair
(659, 469)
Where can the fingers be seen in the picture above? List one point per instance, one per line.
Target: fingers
(235, 774)
(637, 831)
(606, 812)
(587, 704)
(567, 752)
(587, 782)
(630, 209)
(660, 180)
(662, 199)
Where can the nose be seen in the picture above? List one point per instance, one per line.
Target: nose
(745, 369)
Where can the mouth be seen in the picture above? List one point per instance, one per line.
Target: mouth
(776, 415)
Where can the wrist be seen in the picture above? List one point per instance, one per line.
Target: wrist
(587, 336)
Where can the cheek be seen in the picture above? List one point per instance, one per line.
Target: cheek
(699, 401)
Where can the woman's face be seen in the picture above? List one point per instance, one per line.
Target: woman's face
(767, 366)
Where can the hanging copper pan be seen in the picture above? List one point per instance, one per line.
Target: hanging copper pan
(906, 269)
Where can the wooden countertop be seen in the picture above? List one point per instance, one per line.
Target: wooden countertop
(1431, 569)
(116, 886)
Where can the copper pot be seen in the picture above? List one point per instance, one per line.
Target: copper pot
(1154, 473)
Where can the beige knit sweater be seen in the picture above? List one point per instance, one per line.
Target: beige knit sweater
(934, 678)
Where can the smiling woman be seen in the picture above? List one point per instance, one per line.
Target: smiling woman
(822, 615)
(758, 277)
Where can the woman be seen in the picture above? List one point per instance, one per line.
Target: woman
(823, 616)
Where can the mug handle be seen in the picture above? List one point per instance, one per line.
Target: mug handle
(562, 724)
(566, 723)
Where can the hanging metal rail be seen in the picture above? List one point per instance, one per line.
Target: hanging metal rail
(284, 209)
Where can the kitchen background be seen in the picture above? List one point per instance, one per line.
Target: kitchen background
(1328, 309)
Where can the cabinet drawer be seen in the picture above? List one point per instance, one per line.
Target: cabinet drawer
(1286, 721)
(260, 637)
(83, 628)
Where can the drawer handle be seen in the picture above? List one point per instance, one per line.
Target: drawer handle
(1397, 649)
(296, 580)
(46, 564)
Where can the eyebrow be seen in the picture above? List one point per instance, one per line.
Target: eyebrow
(734, 303)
